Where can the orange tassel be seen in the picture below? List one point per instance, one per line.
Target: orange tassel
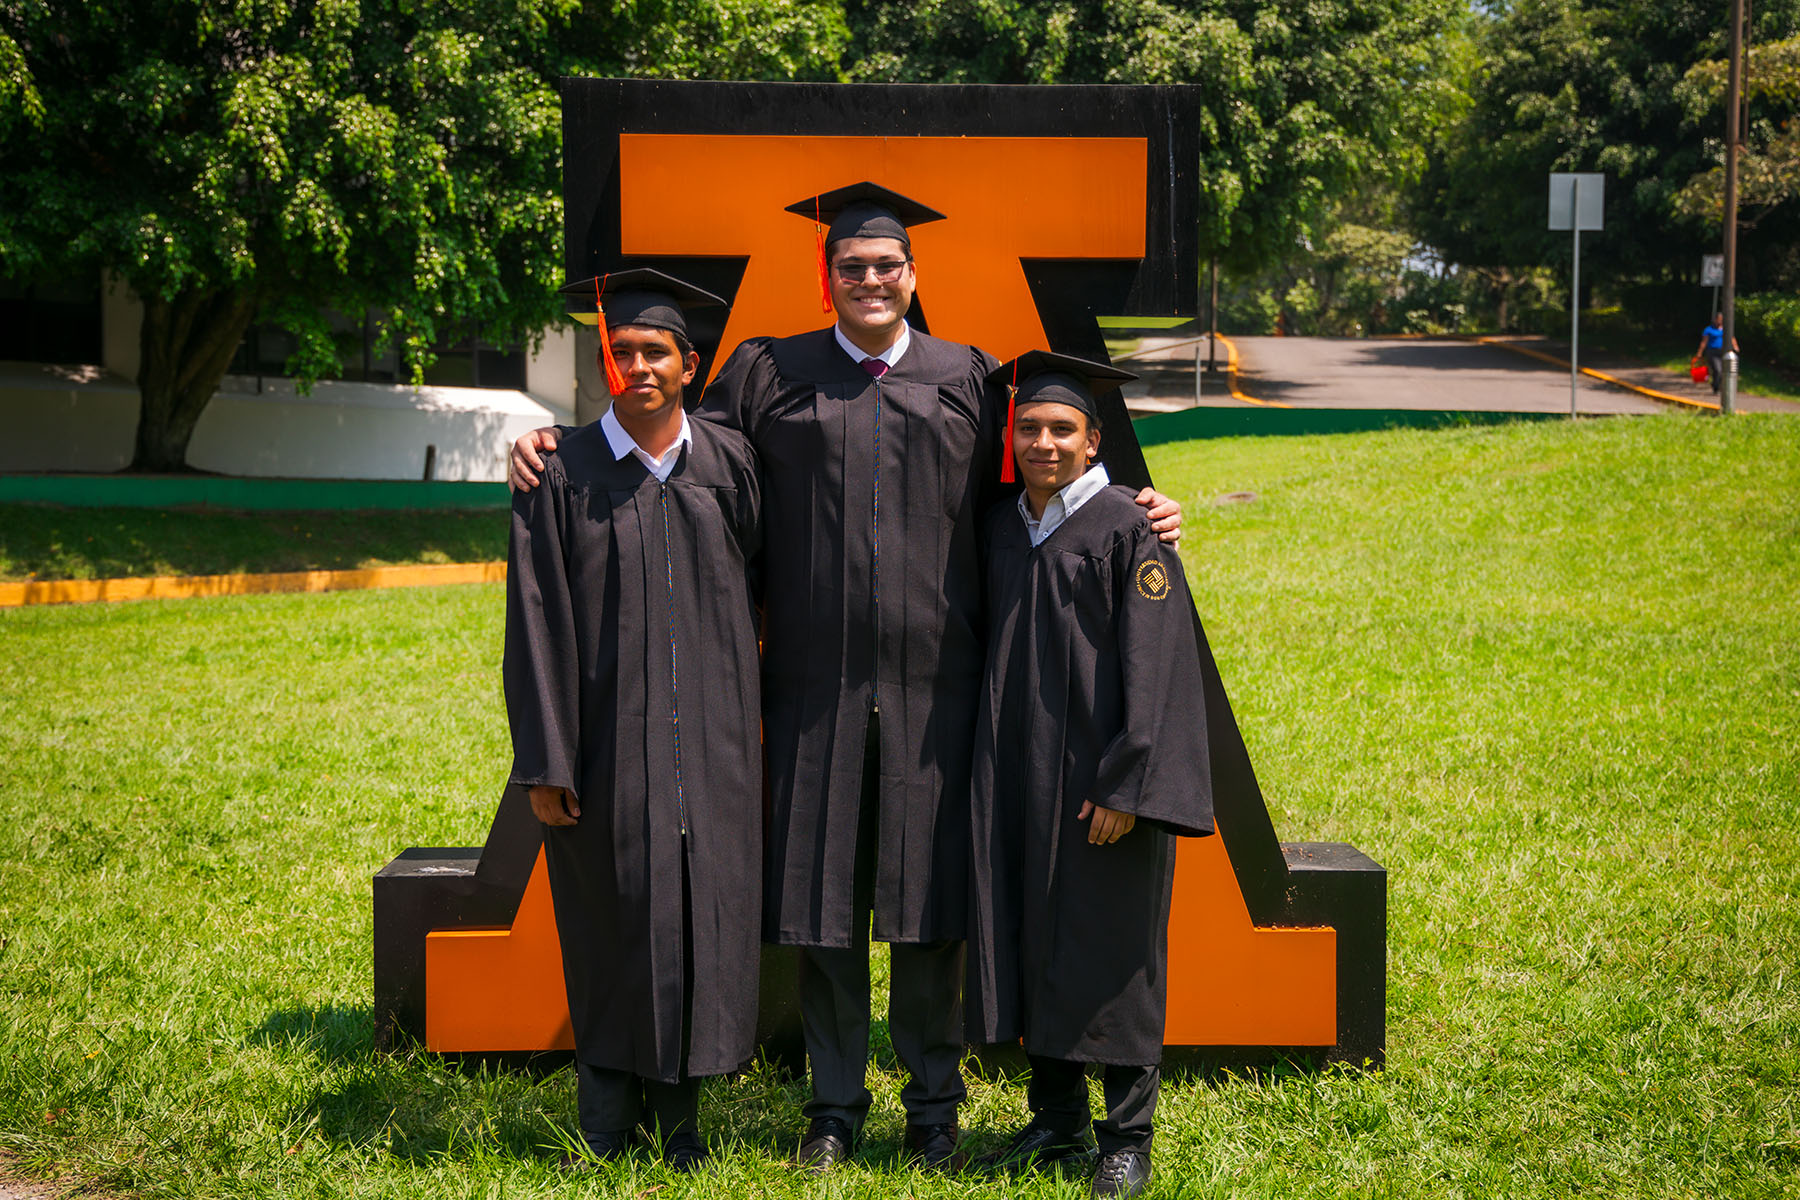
(615, 378)
(824, 267)
(1012, 396)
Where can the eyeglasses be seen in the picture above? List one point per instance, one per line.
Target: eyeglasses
(886, 271)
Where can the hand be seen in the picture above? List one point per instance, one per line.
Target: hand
(554, 805)
(1165, 515)
(524, 462)
(1108, 825)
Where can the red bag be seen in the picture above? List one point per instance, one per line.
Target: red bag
(1697, 371)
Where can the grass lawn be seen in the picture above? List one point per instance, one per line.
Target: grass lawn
(1545, 673)
(41, 541)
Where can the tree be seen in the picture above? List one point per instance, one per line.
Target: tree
(1303, 98)
(284, 157)
(1768, 164)
(1581, 85)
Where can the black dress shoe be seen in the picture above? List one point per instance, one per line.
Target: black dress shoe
(602, 1147)
(1037, 1146)
(685, 1152)
(828, 1142)
(1122, 1174)
(933, 1147)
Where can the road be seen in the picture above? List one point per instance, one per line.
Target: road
(1419, 373)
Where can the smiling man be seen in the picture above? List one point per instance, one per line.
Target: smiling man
(1090, 756)
(632, 695)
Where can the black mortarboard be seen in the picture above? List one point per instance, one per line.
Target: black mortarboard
(865, 210)
(1041, 377)
(640, 296)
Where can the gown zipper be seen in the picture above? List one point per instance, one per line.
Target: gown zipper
(662, 495)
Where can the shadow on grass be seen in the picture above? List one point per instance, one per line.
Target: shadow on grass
(334, 1034)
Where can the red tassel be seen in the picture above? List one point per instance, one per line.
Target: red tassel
(1012, 396)
(824, 267)
(615, 378)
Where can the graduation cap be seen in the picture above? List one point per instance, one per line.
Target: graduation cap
(1042, 377)
(640, 296)
(865, 210)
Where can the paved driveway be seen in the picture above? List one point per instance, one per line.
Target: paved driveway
(1421, 373)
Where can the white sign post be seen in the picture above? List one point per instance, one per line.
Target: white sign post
(1577, 202)
(1712, 275)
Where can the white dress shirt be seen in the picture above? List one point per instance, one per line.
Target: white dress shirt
(622, 444)
(890, 356)
(1062, 506)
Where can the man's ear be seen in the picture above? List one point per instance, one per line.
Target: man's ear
(1093, 448)
(691, 368)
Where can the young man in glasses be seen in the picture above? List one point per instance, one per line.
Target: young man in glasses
(872, 436)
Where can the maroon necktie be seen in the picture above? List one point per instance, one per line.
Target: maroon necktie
(875, 367)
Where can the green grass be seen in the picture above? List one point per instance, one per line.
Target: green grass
(1545, 673)
(40, 541)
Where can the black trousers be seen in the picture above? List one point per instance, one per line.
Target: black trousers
(609, 1100)
(1715, 367)
(1058, 1096)
(924, 1001)
(614, 1101)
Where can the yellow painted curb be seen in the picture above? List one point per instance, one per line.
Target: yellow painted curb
(184, 587)
(1231, 367)
(1652, 393)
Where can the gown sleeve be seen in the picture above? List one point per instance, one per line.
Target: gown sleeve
(541, 664)
(731, 398)
(749, 523)
(1157, 767)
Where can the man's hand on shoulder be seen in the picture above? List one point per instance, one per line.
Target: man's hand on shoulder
(1165, 514)
(554, 805)
(526, 460)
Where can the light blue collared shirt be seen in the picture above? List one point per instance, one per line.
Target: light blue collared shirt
(1062, 506)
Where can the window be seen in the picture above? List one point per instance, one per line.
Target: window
(464, 362)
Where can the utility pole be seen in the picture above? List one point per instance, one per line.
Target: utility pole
(1734, 136)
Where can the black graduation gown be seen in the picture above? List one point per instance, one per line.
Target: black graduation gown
(631, 678)
(1092, 693)
(873, 495)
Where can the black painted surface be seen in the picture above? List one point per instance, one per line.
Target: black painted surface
(1301, 884)
(596, 111)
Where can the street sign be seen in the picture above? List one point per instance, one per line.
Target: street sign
(1577, 202)
(1712, 270)
(1564, 189)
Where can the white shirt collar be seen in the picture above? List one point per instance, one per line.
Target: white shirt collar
(1062, 506)
(622, 444)
(890, 356)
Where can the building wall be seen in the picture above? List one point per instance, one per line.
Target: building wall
(84, 418)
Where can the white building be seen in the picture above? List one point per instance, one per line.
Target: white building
(77, 409)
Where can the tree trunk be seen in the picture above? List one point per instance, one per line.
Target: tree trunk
(186, 344)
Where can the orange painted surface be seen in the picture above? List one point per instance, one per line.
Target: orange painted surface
(1232, 984)
(1229, 982)
(971, 286)
(499, 989)
(184, 587)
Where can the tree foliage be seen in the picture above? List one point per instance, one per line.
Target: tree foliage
(1302, 98)
(1769, 164)
(283, 157)
(1584, 85)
